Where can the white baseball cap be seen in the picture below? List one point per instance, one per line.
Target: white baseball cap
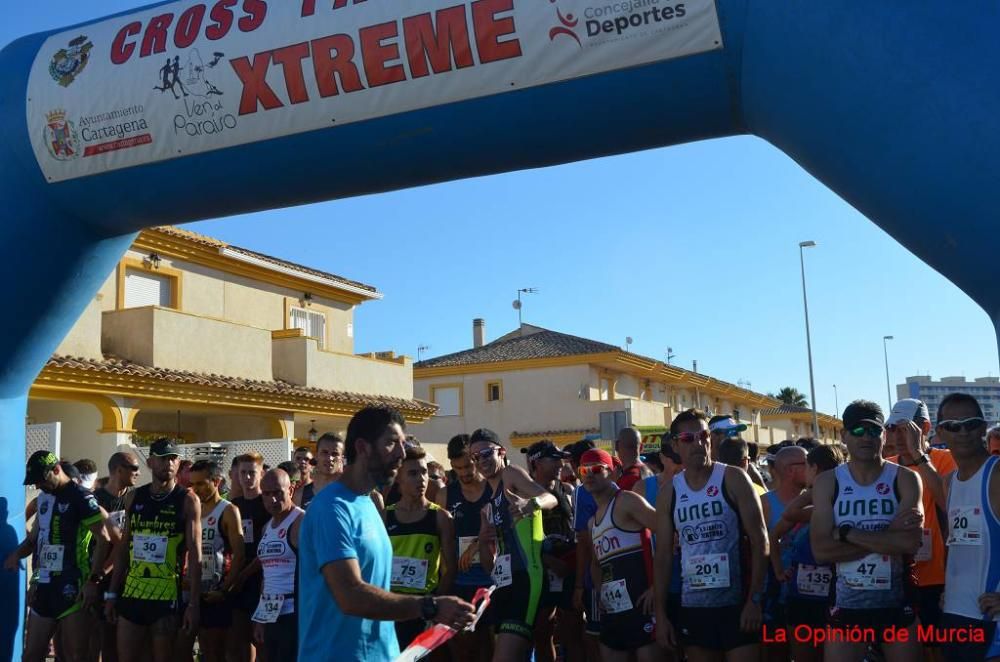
(907, 410)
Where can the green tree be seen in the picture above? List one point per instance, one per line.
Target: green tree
(791, 396)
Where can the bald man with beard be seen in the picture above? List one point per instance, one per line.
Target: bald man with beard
(627, 449)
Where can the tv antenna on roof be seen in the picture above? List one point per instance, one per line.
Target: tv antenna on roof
(628, 342)
(421, 349)
(670, 354)
(517, 302)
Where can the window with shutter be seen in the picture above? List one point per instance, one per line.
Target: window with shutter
(143, 288)
(448, 399)
(312, 323)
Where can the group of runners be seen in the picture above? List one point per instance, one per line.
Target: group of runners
(685, 553)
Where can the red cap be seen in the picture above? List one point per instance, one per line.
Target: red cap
(598, 456)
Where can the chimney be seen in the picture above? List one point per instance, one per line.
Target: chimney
(478, 332)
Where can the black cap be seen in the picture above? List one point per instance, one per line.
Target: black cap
(544, 448)
(163, 447)
(485, 434)
(862, 411)
(577, 449)
(39, 464)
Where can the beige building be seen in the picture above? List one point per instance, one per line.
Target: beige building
(194, 338)
(534, 384)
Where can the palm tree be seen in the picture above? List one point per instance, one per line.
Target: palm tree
(791, 396)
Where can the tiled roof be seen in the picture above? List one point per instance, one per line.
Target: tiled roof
(217, 243)
(116, 366)
(537, 345)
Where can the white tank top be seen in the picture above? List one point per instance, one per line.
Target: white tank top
(875, 581)
(973, 543)
(278, 560)
(710, 535)
(213, 548)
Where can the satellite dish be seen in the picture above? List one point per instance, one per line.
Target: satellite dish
(628, 340)
(516, 304)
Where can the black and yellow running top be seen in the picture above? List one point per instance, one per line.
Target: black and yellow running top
(156, 553)
(416, 551)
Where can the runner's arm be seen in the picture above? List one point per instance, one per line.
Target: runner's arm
(293, 532)
(740, 489)
(25, 549)
(595, 567)
(487, 547)
(102, 548)
(446, 533)
(826, 547)
(297, 495)
(639, 488)
(361, 600)
(899, 538)
(441, 498)
(754, 474)
(526, 488)
(663, 558)
(799, 509)
(232, 529)
(120, 551)
(192, 531)
(638, 511)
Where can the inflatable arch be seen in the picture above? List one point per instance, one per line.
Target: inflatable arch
(202, 108)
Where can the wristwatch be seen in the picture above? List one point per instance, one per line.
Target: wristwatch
(757, 597)
(428, 608)
(96, 577)
(921, 459)
(843, 531)
(108, 595)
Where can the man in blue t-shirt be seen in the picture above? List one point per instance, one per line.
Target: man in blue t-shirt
(345, 558)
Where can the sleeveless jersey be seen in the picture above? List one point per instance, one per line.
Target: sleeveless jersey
(810, 580)
(523, 542)
(214, 548)
(626, 560)
(875, 581)
(156, 552)
(710, 534)
(279, 562)
(652, 484)
(308, 492)
(973, 543)
(466, 516)
(63, 545)
(254, 517)
(416, 551)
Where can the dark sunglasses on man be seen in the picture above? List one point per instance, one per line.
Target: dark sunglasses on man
(873, 431)
(966, 424)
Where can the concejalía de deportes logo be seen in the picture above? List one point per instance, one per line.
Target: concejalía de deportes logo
(618, 18)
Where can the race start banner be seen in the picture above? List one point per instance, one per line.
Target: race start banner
(192, 77)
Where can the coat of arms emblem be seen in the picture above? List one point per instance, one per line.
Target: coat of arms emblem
(60, 136)
(70, 62)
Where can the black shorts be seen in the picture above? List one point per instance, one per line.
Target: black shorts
(517, 604)
(592, 611)
(714, 628)
(929, 608)
(248, 597)
(467, 593)
(801, 611)
(877, 619)
(970, 652)
(562, 598)
(628, 630)
(57, 599)
(149, 613)
(281, 638)
(213, 615)
(673, 607)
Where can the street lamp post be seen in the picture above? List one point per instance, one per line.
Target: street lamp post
(836, 401)
(885, 351)
(805, 305)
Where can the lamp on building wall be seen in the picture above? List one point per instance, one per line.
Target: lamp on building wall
(307, 297)
(313, 432)
(154, 260)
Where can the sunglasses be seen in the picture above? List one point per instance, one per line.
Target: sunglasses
(967, 424)
(484, 454)
(593, 469)
(869, 430)
(688, 437)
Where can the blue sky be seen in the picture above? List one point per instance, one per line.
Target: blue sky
(694, 247)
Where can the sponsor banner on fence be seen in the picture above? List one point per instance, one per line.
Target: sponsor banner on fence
(190, 77)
